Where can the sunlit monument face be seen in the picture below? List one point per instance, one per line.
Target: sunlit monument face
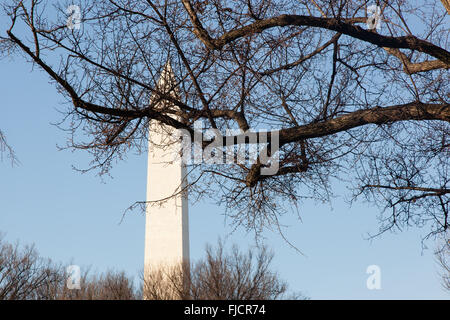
(166, 231)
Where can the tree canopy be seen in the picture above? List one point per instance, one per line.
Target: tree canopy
(355, 91)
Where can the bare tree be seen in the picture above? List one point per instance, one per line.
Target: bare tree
(220, 276)
(6, 150)
(111, 285)
(349, 101)
(24, 275)
(442, 255)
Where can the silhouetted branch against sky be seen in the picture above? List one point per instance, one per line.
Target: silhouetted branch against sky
(350, 90)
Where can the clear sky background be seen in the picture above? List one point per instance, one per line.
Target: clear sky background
(77, 217)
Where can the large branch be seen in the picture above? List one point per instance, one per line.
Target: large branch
(433, 191)
(414, 111)
(377, 115)
(341, 26)
(446, 4)
(406, 42)
(405, 112)
(411, 68)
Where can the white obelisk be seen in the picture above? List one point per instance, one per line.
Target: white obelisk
(166, 228)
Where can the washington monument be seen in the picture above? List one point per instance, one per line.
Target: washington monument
(166, 229)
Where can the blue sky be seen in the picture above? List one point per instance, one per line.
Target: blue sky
(76, 217)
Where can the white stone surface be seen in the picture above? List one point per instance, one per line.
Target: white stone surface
(166, 230)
